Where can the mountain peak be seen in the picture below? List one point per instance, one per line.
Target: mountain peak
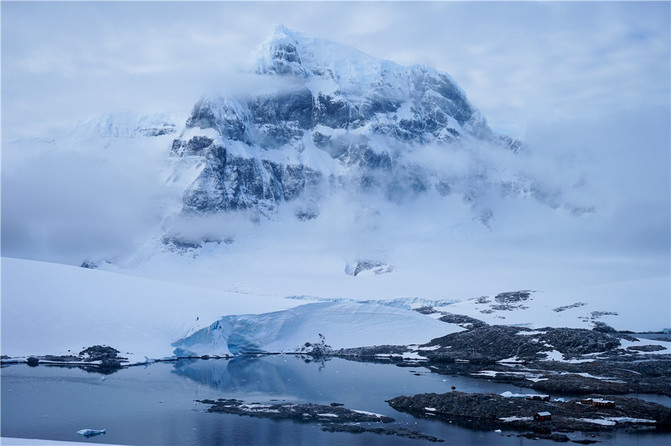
(281, 31)
(288, 52)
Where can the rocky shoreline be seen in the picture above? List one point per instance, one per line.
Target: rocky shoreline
(559, 361)
(492, 411)
(332, 418)
(573, 363)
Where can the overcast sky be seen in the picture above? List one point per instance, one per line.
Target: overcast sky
(585, 81)
(518, 62)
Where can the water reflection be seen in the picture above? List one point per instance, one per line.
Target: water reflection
(154, 405)
(245, 374)
(360, 385)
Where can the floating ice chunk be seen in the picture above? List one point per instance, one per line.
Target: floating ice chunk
(601, 421)
(91, 432)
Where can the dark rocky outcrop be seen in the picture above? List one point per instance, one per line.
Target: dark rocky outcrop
(489, 344)
(485, 411)
(332, 418)
(303, 413)
(463, 321)
(398, 432)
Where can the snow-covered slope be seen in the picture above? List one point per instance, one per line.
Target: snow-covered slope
(635, 305)
(49, 308)
(130, 125)
(57, 309)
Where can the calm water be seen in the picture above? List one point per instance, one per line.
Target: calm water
(154, 405)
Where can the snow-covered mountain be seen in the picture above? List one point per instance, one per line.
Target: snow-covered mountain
(334, 118)
(130, 125)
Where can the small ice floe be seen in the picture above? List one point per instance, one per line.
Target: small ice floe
(91, 432)
(372, 414)
(498, 431)
(601, 421)
(528, 396)
(511, 419)
(623, 420)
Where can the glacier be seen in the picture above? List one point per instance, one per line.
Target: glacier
(340, 324)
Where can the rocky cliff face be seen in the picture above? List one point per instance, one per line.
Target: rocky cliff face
(343, 120)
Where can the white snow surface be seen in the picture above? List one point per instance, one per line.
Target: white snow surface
(57, 309)
(637, 305)
(600, 421)
(9, 441)
(49, 308)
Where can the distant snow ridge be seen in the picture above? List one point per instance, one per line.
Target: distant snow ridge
(130, 125)
(344, 120)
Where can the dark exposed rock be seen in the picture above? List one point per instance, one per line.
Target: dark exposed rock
(237, 183)
(560, 438)
(598, 314)
(488, 344)
(367, 265)
(194, 146)
(179, 244)
(99, 353)
(646, 348)
(372, 352)
(32, 361)
(333, 418)
(109, 358)
(613, 371)
(491, 410)
(463, 321)
(603, 327)
(513, 296)
(399, 432)
(425, 310)
(62, 358)
(511, 300)
(568, 307)
(89, 264)
(317, 349)
(304, 413)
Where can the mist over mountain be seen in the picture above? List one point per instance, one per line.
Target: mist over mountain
(320, 159)
(341, 121)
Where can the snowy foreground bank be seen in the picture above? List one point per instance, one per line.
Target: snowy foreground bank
(59, 310)
(6, 441)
